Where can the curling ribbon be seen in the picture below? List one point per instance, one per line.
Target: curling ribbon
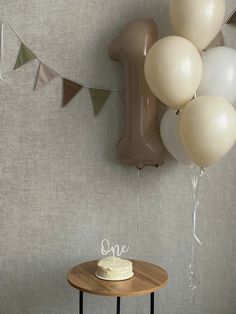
(1, 50)
(195, 175)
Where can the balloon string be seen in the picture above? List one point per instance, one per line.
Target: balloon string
(1, 50)
(195, 176)
(138, 197)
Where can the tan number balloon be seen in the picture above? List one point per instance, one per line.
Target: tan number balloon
(207, 129)
(197, 20)
(140, 143)
(173, 70)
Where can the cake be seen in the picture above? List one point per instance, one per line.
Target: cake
(114, 268)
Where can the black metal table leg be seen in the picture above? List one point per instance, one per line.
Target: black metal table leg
(81, 303)
(118, 305)
(152, 303)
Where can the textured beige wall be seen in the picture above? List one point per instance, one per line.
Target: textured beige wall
(63, 189)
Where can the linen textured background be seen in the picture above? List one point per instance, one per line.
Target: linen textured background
(63, 189)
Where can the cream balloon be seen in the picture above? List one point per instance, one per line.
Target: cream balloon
(169, 130)
(219, 74)
(173, 70)
(207, 129)
(197, 20)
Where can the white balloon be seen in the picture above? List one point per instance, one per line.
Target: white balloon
(169, 130)
(219, 74)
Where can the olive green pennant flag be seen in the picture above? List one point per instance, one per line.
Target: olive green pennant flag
(70, 89)
(25, 55)
(99, 97)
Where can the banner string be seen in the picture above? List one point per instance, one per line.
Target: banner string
(85, 86)
(39, 59)
(226, 21)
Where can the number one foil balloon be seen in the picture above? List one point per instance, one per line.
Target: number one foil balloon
(140, 143)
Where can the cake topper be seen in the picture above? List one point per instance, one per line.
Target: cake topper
(116, 250)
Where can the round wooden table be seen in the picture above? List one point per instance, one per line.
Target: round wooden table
(148, 278)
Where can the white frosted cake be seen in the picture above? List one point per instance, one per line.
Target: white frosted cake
(114, 268)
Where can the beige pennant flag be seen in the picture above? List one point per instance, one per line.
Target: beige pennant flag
(24, 55)
(70, 89)
(44, 76)
(99, 97)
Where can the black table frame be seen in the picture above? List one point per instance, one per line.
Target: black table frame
(81, 303)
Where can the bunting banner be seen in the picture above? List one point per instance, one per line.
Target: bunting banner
(44, 76)
(25, 55)
(70, 89)
(99, 97)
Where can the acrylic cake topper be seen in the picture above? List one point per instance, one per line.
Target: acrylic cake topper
(116, 250)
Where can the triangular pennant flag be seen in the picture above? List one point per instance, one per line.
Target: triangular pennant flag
(70, 89)
(217, 41)
(99, 97)
(45, 75)
(232, 19)
(24, 56)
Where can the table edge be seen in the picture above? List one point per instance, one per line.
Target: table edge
(140, 293)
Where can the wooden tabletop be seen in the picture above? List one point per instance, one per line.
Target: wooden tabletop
(147, 278)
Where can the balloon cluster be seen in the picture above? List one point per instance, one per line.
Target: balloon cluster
(198, 87)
